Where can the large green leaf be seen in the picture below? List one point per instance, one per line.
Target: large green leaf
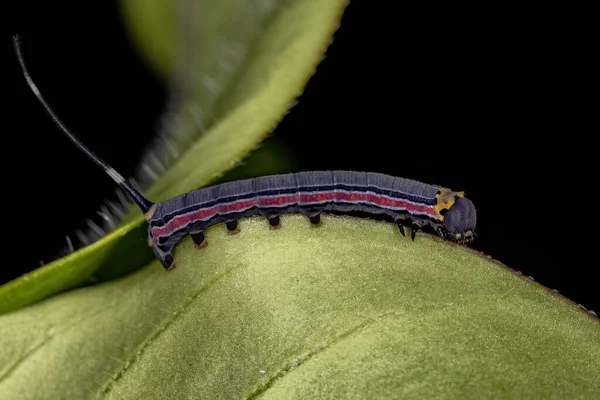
(286, 42)
(348, 310)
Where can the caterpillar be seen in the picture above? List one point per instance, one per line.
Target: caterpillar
(405, 202)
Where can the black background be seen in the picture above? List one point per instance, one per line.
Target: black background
(479, 100)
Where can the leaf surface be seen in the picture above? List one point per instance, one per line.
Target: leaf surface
(348, 310)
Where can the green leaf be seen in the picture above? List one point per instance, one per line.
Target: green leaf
(347, 310)
(286, 42)
(270, 159)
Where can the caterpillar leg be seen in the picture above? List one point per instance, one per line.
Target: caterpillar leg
(407, 222)
(442, 232)
(401, 223)
(232, 227)
(169, 262)
(315, 219)
(274, 221)
(414, 227)
(165, 258)
(199, 240)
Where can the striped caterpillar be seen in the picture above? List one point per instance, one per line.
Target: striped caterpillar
(403, 201)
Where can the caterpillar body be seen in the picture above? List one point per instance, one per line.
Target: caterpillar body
(405, 202)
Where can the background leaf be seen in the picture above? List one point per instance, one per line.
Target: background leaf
(277, 64)
(351, 309)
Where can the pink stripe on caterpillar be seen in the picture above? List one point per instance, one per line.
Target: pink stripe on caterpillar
(305, 199)
(277, 201)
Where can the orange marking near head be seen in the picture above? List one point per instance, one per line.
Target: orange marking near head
(445, 199)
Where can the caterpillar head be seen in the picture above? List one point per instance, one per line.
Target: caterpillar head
(460, 220)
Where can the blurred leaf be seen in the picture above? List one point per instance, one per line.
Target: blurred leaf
(271, 158)
(282, 48)
(347, 310)
(222, 56)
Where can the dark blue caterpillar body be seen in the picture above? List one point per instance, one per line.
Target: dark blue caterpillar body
(403, 201)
